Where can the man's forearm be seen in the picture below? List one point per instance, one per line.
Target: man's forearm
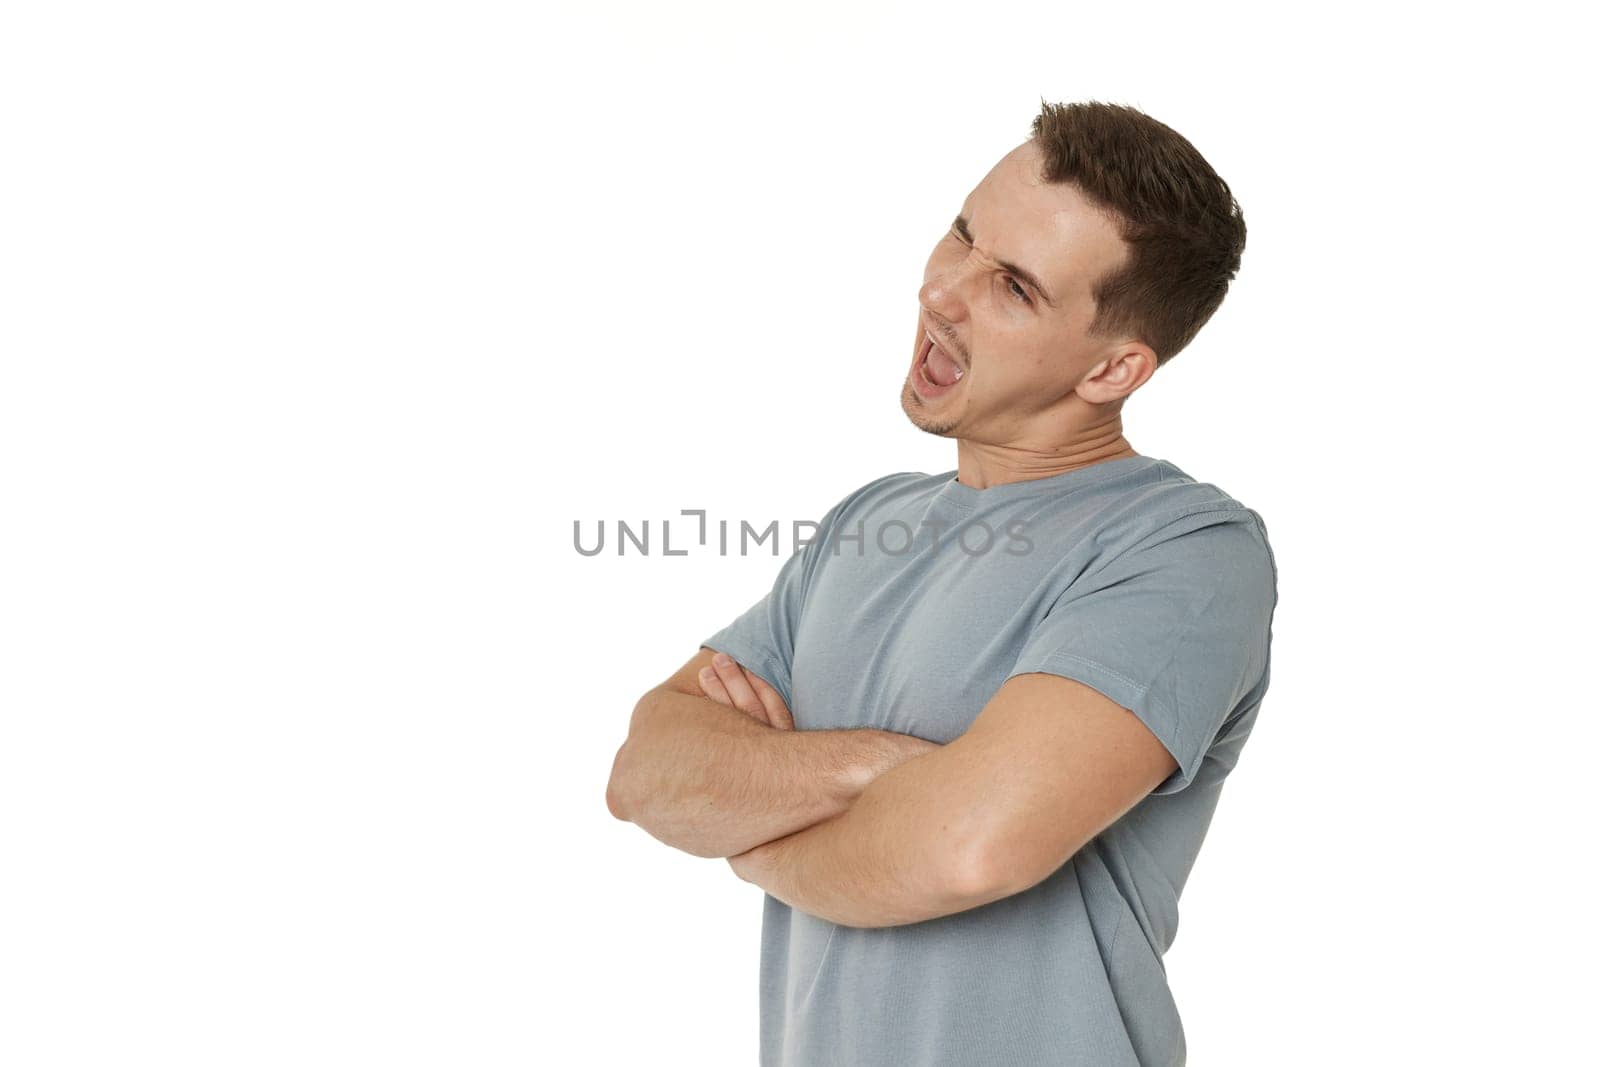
(905, 851)
(712, 781)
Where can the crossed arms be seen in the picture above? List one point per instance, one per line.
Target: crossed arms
(870, 828)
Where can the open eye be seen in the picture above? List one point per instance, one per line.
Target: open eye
(1019, 290)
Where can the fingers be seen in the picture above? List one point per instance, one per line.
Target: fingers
(738, 686)
(714, 682)
(712, 686)
(777, 711)
(726, 682)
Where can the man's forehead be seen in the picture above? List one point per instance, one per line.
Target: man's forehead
(1052, 228)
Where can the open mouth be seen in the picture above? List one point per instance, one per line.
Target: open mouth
(935, 372)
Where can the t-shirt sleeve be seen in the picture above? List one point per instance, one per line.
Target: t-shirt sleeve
(762, 638)
(1176, 629)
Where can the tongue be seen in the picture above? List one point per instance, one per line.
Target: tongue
(942, 370)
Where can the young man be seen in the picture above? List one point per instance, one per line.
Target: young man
(971, 740)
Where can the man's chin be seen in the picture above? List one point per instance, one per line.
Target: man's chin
(911, 404)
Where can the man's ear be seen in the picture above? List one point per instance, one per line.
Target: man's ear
(1128, 366)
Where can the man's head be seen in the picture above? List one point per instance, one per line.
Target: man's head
(1090, 255)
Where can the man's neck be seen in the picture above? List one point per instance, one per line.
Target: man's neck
(980, 466)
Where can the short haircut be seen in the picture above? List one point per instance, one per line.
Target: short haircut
(1184, 230)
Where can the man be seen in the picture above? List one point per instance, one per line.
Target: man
(972, 771)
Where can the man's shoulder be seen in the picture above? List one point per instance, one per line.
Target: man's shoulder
(885, 488)
(1160, 518)
(1178, 522)
(1172, 500)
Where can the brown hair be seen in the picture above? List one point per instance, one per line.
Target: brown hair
(1184, 230)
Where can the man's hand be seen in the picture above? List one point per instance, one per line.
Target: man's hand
(728, 683)
(713, 769)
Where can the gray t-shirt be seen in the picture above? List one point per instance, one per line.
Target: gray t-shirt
(917, 598)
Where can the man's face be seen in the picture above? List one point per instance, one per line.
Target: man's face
(1012, 356)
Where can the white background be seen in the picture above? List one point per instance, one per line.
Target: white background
(322, 323)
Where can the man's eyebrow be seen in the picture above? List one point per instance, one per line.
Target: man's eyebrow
(960, 226)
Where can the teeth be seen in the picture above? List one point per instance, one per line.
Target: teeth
(960, 371)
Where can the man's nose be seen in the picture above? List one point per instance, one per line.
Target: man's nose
(944, 294)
